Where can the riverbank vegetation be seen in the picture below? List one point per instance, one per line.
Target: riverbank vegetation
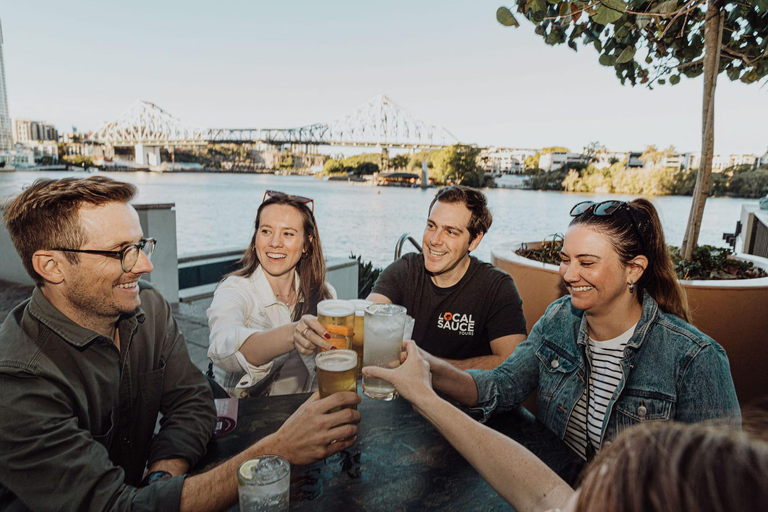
(457, 164)
(737, 181)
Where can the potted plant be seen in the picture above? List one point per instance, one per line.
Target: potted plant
(729, 309)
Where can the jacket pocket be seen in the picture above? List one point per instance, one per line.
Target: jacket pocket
(636, 406)
(554, 367)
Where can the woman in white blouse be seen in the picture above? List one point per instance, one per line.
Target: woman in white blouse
(256, 309)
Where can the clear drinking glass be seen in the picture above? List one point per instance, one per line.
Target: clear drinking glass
(358, 341)
(336, 372)
(264, 484)
(384, 325)
(338, 318)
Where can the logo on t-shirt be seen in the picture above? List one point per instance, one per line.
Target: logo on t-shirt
(457, 322)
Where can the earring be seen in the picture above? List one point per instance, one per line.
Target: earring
(631, 287)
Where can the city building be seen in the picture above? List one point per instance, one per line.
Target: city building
(6, 137)
(26, 131)
(504, 160)
(554, 161)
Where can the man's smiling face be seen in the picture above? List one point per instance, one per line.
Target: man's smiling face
(97, 285)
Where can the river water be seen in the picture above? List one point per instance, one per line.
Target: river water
(216, 211)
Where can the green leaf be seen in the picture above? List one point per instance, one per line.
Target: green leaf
(642, 21)
(674, 79)
(506, 18)
(536, 6)
(605, 59)
(609, 11)
(666, 7)
(661, 81)
(626, 55)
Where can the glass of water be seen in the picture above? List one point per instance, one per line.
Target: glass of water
(264, 484)
(384, 325)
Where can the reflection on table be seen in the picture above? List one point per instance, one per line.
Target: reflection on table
(400, 461)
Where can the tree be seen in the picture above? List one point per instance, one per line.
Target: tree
(676, 37)
(458, 164)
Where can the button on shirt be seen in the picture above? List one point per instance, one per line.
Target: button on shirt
(78, 415)
(243, 306)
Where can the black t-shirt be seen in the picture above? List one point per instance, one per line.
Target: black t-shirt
(458, 322)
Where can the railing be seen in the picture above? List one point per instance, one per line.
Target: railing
(401, 241)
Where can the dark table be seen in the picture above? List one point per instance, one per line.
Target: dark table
(400, 461)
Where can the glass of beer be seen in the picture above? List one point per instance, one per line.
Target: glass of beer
(359, 339)
(338, 318)
(384, 325)
(336, 372)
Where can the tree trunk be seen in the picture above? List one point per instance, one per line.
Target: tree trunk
(713, 36)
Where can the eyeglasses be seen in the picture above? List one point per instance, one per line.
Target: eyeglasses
(299, 199)
(606, 209)
(129, 255)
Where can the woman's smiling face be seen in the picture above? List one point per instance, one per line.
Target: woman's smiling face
(591, 270)
(279, 239)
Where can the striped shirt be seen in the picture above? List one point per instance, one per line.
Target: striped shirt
(586, 421)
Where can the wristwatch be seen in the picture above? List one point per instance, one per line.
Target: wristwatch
(155, 476)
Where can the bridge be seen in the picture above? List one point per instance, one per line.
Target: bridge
(380, 123)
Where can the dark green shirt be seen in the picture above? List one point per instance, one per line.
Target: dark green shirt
(77, 415)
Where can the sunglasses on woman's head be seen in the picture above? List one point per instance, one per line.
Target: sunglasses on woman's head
(606, 209)
(602, 209)
(299, 199)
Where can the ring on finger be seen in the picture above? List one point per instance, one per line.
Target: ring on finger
(304, 332)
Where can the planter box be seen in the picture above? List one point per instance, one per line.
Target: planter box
(734, 313)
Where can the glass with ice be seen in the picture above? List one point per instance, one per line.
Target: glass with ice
(264, 484)
(384, 325)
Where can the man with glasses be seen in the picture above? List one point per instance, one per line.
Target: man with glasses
(466, 311)
(89, 363)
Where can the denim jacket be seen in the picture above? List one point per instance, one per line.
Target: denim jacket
(671, 371)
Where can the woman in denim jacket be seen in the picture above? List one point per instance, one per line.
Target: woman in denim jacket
(623, 295)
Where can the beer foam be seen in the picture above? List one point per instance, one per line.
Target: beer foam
(335, 307)
(360, 305)
(336, 360)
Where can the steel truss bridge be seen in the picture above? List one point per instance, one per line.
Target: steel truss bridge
(378, 123)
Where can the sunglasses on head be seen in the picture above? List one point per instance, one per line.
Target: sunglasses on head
(606, 209)
(602, 209)
(299, 199)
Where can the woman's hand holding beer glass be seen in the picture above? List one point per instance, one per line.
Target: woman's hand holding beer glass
(310, 335)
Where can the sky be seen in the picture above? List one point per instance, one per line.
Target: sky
(283, 64)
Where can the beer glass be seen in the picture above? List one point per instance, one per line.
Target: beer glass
(383, 343)
(264, 484)
(338, 318)
(336, 372)
(359, 337)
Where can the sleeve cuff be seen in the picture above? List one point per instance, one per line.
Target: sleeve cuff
(160, 495)
(486, 398)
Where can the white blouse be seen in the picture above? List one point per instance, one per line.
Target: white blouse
(247, 305)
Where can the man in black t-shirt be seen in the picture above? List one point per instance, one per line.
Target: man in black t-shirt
(466, 311)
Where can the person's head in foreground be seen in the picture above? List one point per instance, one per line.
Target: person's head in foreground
(658, 467)
(286, 241)
(458, 219)
(82, 243)
(613, 252)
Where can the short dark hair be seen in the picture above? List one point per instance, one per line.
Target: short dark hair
(474, 200)
(46, 214)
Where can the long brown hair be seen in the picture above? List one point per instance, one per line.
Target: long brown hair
(311, 266)
(636, 230)
(656, 467)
